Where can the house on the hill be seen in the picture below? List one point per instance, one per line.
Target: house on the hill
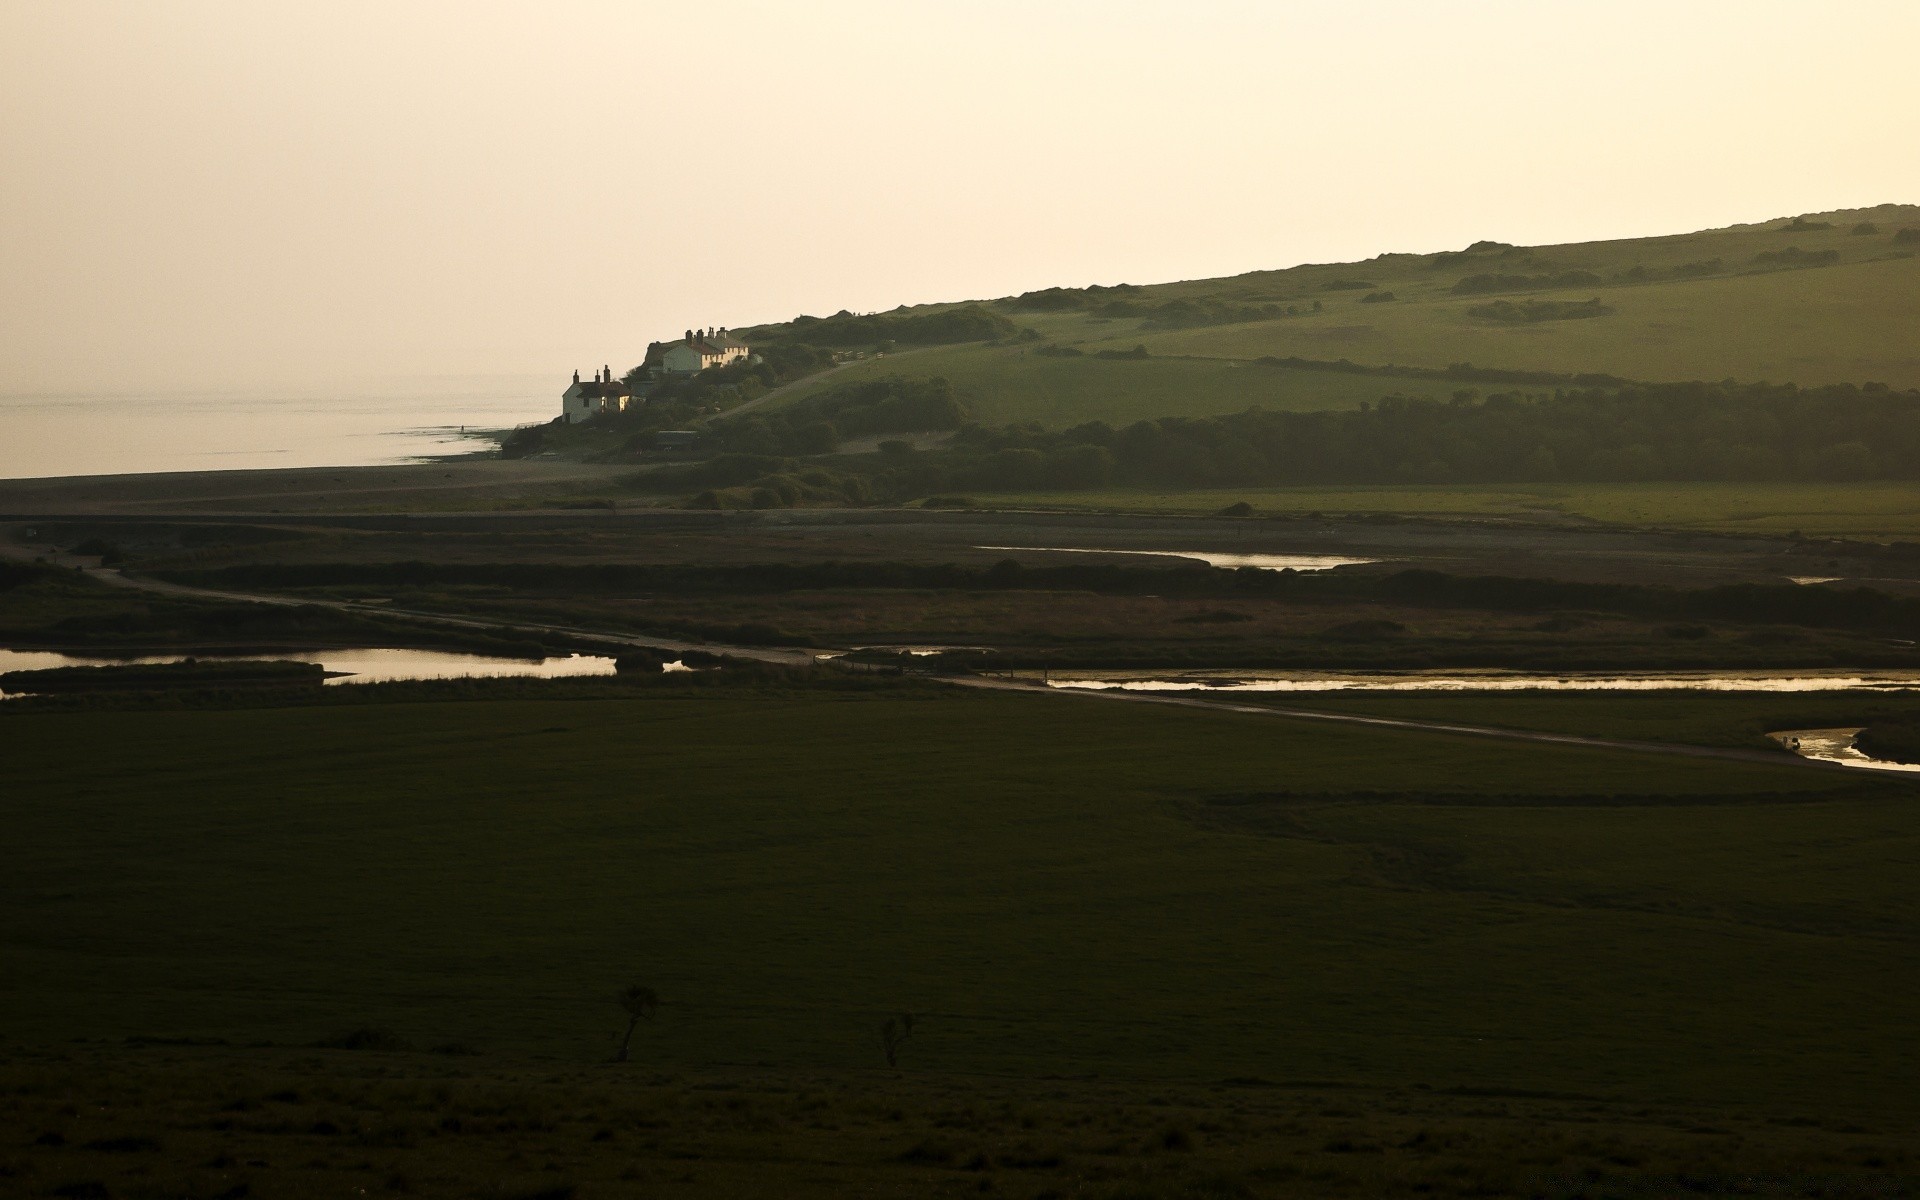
(600, 396)
(696, 352)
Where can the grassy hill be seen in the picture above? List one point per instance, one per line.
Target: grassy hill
(1822, 298)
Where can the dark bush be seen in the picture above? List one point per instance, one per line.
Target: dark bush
(1480, 284)
(364, 1038)
(1794, 256)
(1530, 311)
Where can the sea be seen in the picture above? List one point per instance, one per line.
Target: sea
(386, 421)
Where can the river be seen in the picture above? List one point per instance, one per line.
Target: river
(1489, 681)
(348, 666)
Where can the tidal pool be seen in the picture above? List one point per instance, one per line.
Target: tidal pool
(346, 666)
(1213, 558)
(1836, 746)
(1492, 681)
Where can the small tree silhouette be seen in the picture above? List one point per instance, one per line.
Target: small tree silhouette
(639, 1003)
(894, 1031)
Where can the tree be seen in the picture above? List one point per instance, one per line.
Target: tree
(639, 1003)
(894, 1031)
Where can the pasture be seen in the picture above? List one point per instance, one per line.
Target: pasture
(1014, 384)
(1056, 885)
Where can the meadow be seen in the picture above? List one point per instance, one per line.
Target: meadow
(1809, 326)
(1709, 305)
(1056, 884)
(1014, 384)
(375, 949)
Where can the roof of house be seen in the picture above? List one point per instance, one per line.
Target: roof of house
(588, 389)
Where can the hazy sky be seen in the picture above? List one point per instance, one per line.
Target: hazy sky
(231, 194)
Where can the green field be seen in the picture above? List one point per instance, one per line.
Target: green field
(1838, 324)
(1011, 384)
(1050, 881)
(1878, 511)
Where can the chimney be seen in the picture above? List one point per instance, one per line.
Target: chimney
(576, 374)
(609, 371)
(689, 337)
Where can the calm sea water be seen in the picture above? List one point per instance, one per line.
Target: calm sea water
(386, 422)
(347, 666)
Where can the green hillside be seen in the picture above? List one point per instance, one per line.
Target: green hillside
(1822, 298)
(1008, 384)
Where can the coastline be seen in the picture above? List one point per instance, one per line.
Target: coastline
(462, 481)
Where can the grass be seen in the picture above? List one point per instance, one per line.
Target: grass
(211, 1121)
(1744, 319)
(1821, 325)
(1749, 321)
(1012, 384)
(1875, 511)
(1044, 896)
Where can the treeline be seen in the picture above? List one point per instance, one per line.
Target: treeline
(1058, 299)
(1463, 372)
(1777, 604)
(1692, 431)
(1475, 285)
(1647, 432)
(817, 424)
(1528, 311)
(965, 323)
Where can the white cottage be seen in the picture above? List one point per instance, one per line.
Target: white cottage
(600, 396)
(698, 351)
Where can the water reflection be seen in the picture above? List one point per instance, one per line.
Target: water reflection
(1493, 681)
(1265, 562)
(1836, 746)
(347, 666)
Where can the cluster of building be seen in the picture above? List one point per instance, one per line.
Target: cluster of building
(604, 395)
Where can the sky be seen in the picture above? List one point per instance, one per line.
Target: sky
(233, 195)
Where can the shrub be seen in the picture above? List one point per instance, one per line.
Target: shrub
(1908, 236)
(364, 1038)
(1377, 298)
(1794, 256)
(1480, 284)
(1529, 311)
(1710, 266)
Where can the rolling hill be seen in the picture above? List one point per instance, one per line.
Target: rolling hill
(1821, 298)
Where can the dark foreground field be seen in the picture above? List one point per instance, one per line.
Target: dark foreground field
(1150, 952)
